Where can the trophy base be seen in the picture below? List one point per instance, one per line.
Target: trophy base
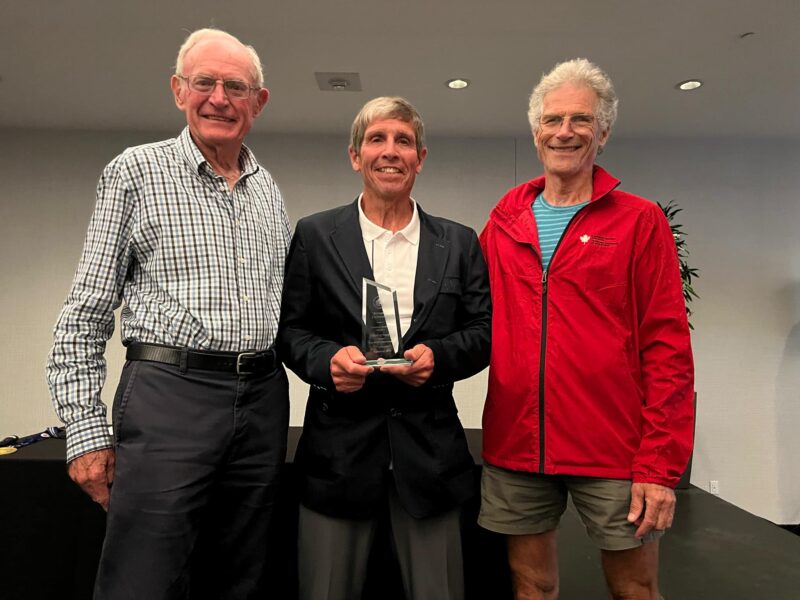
(385, 362)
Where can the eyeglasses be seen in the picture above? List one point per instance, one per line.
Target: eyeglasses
(578, 122)
(235, 89)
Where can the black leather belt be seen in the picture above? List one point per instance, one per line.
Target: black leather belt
(241, 363)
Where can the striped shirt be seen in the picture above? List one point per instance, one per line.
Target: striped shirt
(196, 265)
(551, 221)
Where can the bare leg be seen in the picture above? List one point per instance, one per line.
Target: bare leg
(632, 574)
(534, 566)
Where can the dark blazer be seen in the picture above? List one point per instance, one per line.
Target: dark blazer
(349, 440)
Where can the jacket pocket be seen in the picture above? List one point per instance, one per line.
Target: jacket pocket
(451, 285)
(604, 267)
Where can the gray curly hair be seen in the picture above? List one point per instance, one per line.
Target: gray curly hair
(581, 72)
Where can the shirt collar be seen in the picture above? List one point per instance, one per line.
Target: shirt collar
(370, 231)
(192, 154)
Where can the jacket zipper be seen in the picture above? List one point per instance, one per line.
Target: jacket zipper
(543, 343)
(542, 348)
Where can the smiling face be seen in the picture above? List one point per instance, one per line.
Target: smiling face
(388, 159)
(218, 123)
(569, 134)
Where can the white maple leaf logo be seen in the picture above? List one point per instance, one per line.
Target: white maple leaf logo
(585, 238)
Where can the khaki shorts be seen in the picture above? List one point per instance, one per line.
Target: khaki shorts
(520, 503)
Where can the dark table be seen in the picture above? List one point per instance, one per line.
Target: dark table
(51, 532)
(52, 535)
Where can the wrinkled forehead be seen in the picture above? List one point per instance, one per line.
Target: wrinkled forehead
(570, 98)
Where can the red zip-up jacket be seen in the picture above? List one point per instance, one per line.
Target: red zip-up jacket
(591, 371)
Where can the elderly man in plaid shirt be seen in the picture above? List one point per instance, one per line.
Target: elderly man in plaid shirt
(190, 236)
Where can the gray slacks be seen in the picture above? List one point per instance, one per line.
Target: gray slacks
(333, 554)
(198, 456)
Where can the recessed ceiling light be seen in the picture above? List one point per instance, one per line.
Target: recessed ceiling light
(457, 84)
(689, 84)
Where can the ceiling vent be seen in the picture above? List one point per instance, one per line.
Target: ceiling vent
(338, 82)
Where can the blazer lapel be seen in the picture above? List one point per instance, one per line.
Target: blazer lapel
(349, 243)
(434, 250)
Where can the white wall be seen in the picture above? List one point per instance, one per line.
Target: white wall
(740, 214)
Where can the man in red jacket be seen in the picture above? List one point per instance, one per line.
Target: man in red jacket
(591, 379)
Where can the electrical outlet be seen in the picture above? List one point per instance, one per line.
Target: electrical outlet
(713, 487)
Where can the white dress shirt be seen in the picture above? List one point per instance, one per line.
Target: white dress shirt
(393, 257)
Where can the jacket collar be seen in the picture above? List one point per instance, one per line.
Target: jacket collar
(371, 231)
(513, 213)
(434, 251)
(347, 239)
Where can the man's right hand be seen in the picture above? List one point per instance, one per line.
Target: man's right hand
(349, 370)
(94, 472)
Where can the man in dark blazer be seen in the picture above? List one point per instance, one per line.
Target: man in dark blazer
(389, 435)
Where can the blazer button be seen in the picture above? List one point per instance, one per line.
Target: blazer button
(324, 407)
(393, 412)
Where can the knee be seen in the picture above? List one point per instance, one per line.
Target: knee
(635, 589)
(530, 586)
(534, 566)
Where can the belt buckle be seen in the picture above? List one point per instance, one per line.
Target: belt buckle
(239, 358)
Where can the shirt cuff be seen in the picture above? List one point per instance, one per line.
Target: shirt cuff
(86, 436)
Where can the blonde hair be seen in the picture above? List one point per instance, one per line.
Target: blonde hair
(386, 107)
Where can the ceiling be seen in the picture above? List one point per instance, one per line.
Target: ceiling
(101, 64)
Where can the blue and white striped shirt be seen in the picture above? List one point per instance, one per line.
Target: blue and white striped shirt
(551, 221)
(196, 264)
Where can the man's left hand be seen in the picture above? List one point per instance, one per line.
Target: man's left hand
(418, 371)
(652, 507)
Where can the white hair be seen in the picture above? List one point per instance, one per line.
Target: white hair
(208, 33)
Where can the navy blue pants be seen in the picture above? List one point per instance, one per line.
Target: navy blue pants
(198, 456)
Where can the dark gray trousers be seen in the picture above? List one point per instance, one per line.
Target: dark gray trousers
(198, 455)
(333, 554)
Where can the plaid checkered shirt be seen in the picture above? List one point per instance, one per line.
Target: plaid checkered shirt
(196, 264)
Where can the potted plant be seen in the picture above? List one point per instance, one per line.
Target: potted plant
(688, 273)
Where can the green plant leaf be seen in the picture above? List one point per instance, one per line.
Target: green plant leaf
(670, 210)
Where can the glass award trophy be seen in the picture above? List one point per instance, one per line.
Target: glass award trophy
(382, 343)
